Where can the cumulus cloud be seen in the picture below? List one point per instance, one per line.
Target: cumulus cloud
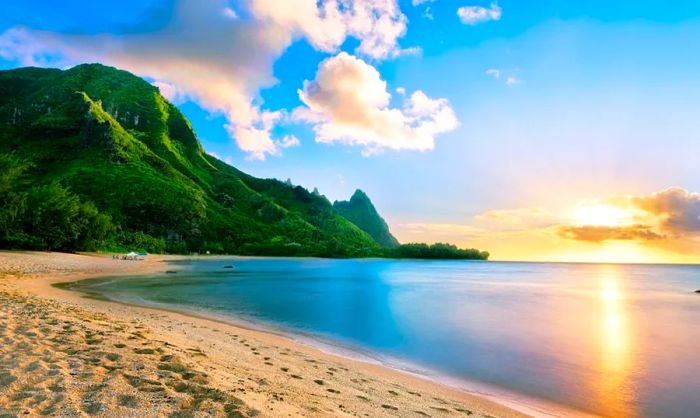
(419, 2)
(214, 56)
(378, 24)
(348, 102)
(471, 15)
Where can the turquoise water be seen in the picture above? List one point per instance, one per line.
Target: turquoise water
(615, 340)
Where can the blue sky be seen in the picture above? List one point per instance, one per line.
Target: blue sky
(559, 104)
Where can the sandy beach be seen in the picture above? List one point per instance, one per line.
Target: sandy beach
(63, 354)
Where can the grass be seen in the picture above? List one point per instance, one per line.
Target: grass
(56, 388)
(92, 407)
(200, 393)
(6, 379)
(21, 395)
(113, 356)
(49, 410)
(128, 401)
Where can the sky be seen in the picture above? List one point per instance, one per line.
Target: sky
(551, 130)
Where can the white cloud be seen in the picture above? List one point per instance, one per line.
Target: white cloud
(348, 102)
(494, 72)
(209, 54)
(511, 81)
(170, 92)
(428, 12)
(230, 13)
(289, 141)
(378, 24)
(499, 74)
(471, 15)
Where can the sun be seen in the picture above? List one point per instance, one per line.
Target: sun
(600, 214)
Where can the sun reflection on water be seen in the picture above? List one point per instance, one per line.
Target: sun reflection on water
(615, 396)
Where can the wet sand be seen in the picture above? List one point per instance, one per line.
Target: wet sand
(62, 354)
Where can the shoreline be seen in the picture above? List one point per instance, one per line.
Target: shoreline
(188, 324)
(528, 405)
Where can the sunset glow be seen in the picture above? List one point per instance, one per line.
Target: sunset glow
(265, 208)
(615, 345)
(602, 215)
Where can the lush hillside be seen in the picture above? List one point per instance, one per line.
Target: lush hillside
(110, 141)
(360, 211)
(94, 157)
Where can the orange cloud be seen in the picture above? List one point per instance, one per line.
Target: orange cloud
(671, 215)
(597, 233)
(658, 227)
(677, 208)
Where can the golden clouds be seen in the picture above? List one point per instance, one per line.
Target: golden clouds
(599, 233)
(673, 213)
(659, 227)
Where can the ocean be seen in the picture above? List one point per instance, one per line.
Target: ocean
(609, 339)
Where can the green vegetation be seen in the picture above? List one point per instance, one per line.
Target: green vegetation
(360, 211)
(94, 158)
(437, 251)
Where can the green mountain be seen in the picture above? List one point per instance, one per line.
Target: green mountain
(95, 158)
(360, 211)
(109, 139)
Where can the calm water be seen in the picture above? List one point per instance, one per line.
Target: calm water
(616, 340)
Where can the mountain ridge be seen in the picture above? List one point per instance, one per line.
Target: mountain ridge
(115, 156)
(361, 211)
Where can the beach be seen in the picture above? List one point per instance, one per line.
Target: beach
(64, 354)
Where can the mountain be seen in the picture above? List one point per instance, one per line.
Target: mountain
(360, 211)
(95, 158)
(126, 158)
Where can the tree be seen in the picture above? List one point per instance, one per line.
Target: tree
(52, 217)
(12, 201)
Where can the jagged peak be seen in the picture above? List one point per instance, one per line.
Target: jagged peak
(359, 195)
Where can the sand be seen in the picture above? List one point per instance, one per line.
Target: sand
(62, 354)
